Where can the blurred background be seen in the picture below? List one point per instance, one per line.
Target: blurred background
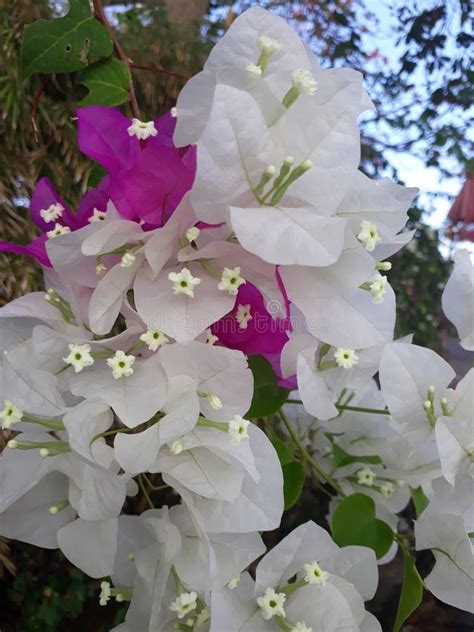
(417, 59)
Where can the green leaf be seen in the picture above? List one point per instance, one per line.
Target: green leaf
(284, 453)
(355, 522)
(293, 481)
(268, 397)
(107, 81)
(412, 591)
(342, 458)
(64, 44)
(95, 176)
(420, 501)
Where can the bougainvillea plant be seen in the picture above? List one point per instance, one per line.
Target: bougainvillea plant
(216, 311)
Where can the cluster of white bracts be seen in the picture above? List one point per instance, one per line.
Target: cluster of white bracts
(92, 411)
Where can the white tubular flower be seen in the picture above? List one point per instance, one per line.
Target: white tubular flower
(231, 281)
(183, 604)
(105, 593)
(142, 129)
(210, 338)
(238, 429)
(378, 288)
(10, 414)
(121, 364)
(97, 216)
(52, 213)
(79, 357)
(192, 233)
(271, 604)
(267, 45)
(254, 69)
(154, 339)
(368, 235)
(243, 315)
(58, 230)
(128, 259)
(234, 582)
(176, 447)
(203, 617)
(304, 81)
(184, 282)
(214, 401)
(346, 358)
(365, 476)
(174, 112)
(301, 627)
(315, 575)
(387, 490)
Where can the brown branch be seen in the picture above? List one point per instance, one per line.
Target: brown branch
(34, 106)
(102, 18)
(160, 70)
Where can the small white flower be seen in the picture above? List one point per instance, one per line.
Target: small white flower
(231, 280)
(243, 315)
(183, 604)
(184, 282)
(174, 112)
(238, 429)
(315, 575)
(301, 627)
(12, 444)
(97, 216)
(254, 69)
(79, 357)
(10, 414)
(267, 45)
(214, 401)
(176, 447)
(105, 593)
(271, 604)
(58, 230)
(100, 269)
(154, 339)
(192, 233)
(368, 235)
(121, 364)
(234, 582)
(210, 338)
(365, 476)
(52, 213)
(142, 129)
(387, 490)
(304, 81)
(346, 358)
(44, 452)
(378, 287)
(128, 259)
(203, 617)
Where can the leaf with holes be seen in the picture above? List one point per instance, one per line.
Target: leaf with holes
(107, 81)
(64, 44)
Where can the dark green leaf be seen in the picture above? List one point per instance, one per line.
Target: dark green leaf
(293, 481)
(268, 397)
(107, 81)
(95, 176)
(355, 522)
(341, 457)
(412, 591)
(419, 500)
(284, 453)
(65, 44)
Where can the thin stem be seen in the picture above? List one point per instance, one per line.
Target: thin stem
(155, 488)
(101, 17)
(145, 492)
(34, 106)
(306, 456)
(359, 409)
(158, 69)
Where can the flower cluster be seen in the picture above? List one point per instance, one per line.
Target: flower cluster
(236, 225)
